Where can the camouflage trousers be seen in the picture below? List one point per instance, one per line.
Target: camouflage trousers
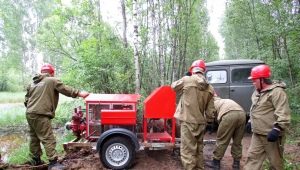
(40, 131)
(231, 126)
(191, 148)
(260, 149)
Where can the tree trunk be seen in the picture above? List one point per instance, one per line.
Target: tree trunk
(136, 48)
(289, 61)
(98, 11)
(160, 44)
(253, 19)
(124, 23)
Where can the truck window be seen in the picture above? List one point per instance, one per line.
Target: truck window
(240, 75)
(216, 76)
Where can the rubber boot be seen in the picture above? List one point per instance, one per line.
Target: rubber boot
(35, 161)
(236, 165)
(216, 164)
(54, 165)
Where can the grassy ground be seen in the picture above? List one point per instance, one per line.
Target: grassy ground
(13, 116)
(12, 97)
(18, 97)
(20, 155)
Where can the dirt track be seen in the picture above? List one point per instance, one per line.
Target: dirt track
(162, 160)
(165, 159)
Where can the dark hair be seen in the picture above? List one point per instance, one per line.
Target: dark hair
(267, 81)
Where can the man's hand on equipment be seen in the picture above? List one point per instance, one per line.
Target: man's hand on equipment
(83, 94)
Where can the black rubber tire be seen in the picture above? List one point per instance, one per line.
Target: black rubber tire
(120, 146)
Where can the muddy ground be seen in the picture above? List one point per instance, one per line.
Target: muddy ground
(160, 160)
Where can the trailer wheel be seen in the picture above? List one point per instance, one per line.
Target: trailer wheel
(117, 153)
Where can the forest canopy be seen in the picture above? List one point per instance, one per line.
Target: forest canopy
(90, 54)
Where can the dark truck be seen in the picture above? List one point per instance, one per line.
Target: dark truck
(230, 79)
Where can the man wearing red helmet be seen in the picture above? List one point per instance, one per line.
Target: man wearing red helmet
(41, 101)
(269, 119)
(193, 111)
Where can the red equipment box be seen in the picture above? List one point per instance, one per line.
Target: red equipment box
(118, 117)
(109, 109)
(160, 104)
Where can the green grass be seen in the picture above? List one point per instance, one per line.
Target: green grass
(13, 116)
(20, 155)
(287, 165)
(294, 130)
(66, 137)
(12, 97)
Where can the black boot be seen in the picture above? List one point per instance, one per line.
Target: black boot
(236, 165)
(216, 164)
(53, 164)
(35, 161)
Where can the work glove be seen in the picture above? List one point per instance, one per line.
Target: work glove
(273, 135)
(188, 74)
(248, 127)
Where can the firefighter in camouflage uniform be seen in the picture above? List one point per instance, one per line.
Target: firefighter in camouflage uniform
(232, 119)
(269, 119)
(41, 101)
(193, 113)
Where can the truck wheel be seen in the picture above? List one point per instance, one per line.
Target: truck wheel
(117, 153)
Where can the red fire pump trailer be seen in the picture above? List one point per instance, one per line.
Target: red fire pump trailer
(110, 120)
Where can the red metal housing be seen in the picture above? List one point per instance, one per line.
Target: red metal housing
(109, 109)
(160, 104)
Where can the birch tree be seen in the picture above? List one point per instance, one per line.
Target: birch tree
(136, 47)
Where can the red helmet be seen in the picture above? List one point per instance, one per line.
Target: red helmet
(260, 71)
(48, 68)
(199, 64)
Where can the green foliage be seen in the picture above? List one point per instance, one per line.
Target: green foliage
(169, 44)
(266, 30)
(64, 111)
(294, 100)
(294, 131)
(93, 56)
(11, 52)
(287, 165)
(106, 61)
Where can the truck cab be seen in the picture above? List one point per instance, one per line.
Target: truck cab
(230, 79)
